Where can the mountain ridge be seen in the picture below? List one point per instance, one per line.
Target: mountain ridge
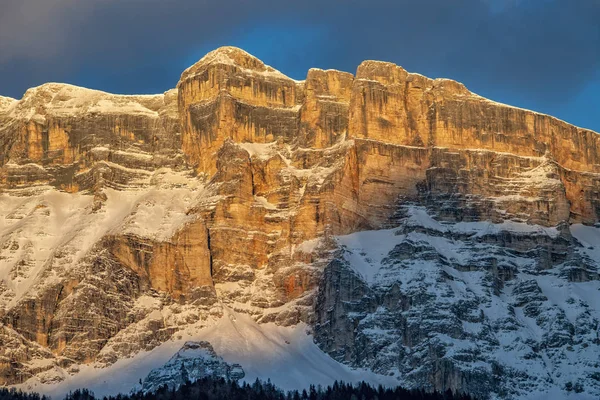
(127, 221)
(228, 49)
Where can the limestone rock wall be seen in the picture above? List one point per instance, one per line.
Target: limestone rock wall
(324, 114)
(177, 266)
(63, 129)
(392, 106)
(229, 94)
(229, 189)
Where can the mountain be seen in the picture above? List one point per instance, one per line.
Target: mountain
(380, 226)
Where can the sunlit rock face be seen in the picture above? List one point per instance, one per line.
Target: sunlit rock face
(392, 106)
(420, 230)
(67, 130)
(230, 94)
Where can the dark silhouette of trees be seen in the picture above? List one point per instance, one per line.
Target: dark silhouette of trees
(222, 389)
(13, 394)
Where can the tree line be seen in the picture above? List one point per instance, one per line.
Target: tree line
(209, 388)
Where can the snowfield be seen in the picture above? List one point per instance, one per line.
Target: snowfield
(286, 355)
(540, 327)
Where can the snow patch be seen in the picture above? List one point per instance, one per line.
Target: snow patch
(286, 355)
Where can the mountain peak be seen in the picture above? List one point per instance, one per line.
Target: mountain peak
(231, 55)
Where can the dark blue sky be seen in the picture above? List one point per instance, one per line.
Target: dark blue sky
(537, 54)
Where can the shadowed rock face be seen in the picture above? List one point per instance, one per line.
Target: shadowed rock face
(195, 360)
(130, 217)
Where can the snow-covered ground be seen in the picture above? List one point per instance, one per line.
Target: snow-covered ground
(286, 355)
(44, 226)
(491, 300)
(539, 326)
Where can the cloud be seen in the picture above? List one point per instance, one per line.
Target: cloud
(544, 50)
(38, 30)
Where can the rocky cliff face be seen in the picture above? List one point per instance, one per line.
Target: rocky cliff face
(126, 220)
(195, 360)
(481, 307)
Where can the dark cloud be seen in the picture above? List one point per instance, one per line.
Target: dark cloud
(536, 53)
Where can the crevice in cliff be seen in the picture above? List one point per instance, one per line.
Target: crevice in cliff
(251, 175)
(48, 319)
(45, 142)
(210, 256)
(404, 95)
(432, 117)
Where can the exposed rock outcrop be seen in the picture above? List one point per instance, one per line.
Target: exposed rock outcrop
(193, 361)
(127, 219)
(446, 305)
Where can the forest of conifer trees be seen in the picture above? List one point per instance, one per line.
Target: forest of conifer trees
(219, 388)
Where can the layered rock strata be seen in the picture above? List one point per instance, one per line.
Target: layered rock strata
(126, 219)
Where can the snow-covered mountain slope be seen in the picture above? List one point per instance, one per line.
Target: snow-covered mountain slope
(420, 233)
(45, 232)
(491, 308)
(286, 355)
(6, 103)
(195, 360)
(478, 306)
(53, 100)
